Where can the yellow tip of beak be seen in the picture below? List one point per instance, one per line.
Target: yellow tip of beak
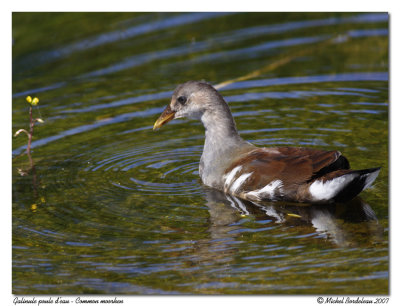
(156, 125)
(166, 116)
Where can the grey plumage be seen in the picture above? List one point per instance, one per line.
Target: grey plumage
(222, 141)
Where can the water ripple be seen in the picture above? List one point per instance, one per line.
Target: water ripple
(88, 127)
(118, 35)
(339, 77)
(343, 77)
(145, 170)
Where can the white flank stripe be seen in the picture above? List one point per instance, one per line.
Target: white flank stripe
(270, 188)
(231, 175)
(239, 181)
(268, 191)
(326, 191)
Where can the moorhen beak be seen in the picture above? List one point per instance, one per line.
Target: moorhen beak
(166, 116)
(237, 167)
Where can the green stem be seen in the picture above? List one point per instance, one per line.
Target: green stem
(31, 124)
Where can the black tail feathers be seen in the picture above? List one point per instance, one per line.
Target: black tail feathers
(363, 179)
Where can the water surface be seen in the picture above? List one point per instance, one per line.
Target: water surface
(113, 207)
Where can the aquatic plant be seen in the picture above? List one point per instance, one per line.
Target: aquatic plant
(32, 121)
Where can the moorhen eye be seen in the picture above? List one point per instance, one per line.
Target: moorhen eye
(182, 100)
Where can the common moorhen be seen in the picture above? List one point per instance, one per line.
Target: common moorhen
(237, 167)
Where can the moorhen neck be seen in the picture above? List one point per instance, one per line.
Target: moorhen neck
(237, 167)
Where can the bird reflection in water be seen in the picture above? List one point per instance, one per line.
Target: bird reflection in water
(342, 224)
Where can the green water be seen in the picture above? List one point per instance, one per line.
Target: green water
(113, 207)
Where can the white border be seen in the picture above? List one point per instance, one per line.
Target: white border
(205, 5)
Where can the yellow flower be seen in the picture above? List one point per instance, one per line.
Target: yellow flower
(35, 101)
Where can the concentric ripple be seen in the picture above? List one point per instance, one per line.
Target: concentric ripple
(149, 169)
